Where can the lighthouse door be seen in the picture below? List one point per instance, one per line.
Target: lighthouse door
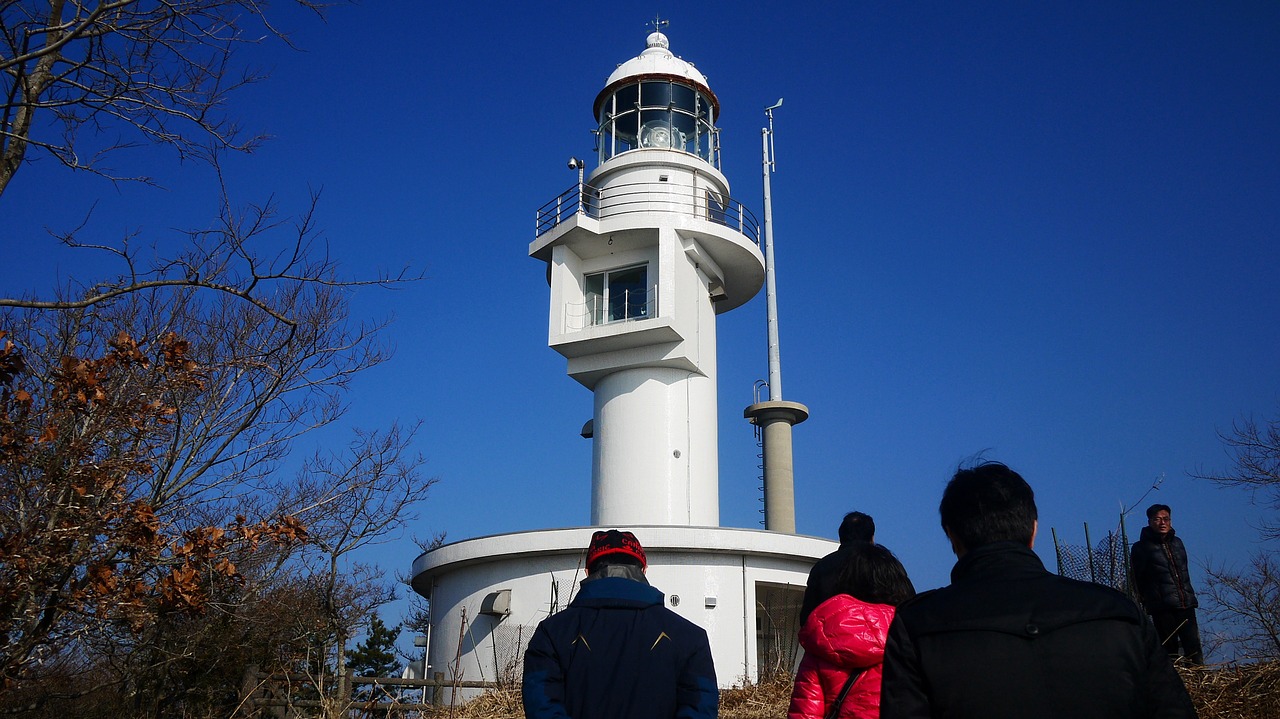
(777, 626)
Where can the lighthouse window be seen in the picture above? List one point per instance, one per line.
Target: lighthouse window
(626, 98)
(625, 118)
(655, 94)
(618, 295)
(683, 97)
(659, 114)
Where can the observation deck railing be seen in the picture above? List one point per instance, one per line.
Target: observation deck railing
(615, 200)
(632, 305)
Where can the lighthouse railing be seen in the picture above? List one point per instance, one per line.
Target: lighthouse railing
(634, 197)
(631, 306)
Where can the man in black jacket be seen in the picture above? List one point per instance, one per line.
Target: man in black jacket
(615, 652)
(1159, 564)
(856, 528)
(1009, 639)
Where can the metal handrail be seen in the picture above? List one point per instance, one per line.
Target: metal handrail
(581, 315)
(635, 197)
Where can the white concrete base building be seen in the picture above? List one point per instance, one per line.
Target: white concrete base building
(642, 255)
(743, 586)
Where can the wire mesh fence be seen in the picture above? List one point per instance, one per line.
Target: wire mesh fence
(1103, 562)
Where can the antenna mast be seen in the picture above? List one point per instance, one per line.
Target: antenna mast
(775, 416)
(770, 281)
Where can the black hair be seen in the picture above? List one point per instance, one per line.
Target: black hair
(872, 574)
(988, 503)
(1153, 509)
(857, 527)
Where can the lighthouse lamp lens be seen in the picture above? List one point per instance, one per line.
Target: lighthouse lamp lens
(660, 134)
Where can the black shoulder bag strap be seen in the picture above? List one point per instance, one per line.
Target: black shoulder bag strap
(834, 711)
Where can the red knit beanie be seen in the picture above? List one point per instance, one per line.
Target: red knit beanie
(613, 541)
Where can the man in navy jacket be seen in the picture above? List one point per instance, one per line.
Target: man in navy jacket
(616, 652)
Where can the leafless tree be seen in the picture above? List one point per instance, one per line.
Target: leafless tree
(350, 500)
(149, 543)
(133, 71)
(1254, 450)
(184, 439)
(1246, 605)
(1246, 601)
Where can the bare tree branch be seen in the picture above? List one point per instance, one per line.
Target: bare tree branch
(1254, 450)
(162, 70)
(223, 260)
(1246, 605)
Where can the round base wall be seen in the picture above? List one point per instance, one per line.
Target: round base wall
(488, 594)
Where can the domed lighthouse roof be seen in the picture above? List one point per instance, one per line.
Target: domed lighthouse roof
(656, 63)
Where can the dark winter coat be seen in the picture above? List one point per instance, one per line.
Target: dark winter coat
(822, 578)
(1159, 569)
(842, 635)
(1008, 639)
(616, 653)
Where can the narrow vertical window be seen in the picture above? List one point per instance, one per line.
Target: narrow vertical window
(595, 298)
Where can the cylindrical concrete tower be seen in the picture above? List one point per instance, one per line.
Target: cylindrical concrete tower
(643, 255)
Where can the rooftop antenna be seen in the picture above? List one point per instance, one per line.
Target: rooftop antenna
(658, 23)
(776, 416)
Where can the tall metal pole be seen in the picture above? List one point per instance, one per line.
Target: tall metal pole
(770, 282)
(776, 416)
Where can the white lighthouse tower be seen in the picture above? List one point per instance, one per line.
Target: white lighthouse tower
(642, 255)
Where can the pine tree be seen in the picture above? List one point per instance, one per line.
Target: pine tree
(376, 655)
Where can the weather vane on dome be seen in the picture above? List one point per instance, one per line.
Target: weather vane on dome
(658, 23)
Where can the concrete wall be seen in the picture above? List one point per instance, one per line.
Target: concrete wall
(709, 576)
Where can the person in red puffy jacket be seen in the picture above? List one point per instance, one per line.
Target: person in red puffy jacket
(845, 635)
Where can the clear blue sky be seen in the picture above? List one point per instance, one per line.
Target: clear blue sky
(1046, 231)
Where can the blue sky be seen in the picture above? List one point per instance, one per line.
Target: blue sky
(1043, 231)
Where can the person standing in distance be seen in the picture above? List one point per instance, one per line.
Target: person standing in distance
(855, 528)
(1008, 639)
(616, 652)
(1159, 565)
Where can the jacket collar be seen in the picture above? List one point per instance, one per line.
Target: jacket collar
(616, 591)
(1149, 535)
(998, 558)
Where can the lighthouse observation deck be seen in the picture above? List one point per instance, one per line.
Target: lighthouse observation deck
(636, 197)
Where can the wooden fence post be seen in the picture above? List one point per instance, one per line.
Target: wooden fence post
(248, 687)
(437, 692)
(345, 690)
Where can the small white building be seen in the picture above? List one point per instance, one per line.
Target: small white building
(642, 255)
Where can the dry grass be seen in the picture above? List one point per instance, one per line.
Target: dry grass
(767, 700)
(493, 704)
(1248, 692)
